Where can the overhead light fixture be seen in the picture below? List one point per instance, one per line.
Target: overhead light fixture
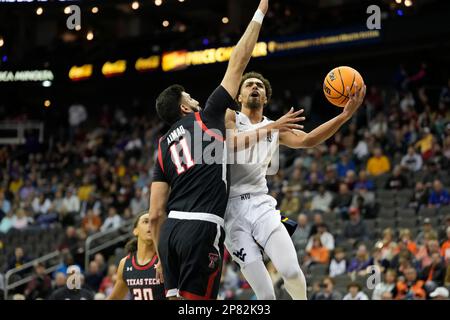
(158, 3)
(47, 84)
(39, 11)
(2, 42)
(94, 10)
(78, 27)
(90, 36)
(67, 10)
(225, 20)
(47, 103)
(165, 23)
(408, 3)
(135, 5)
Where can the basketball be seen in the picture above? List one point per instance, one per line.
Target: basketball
(336, 82)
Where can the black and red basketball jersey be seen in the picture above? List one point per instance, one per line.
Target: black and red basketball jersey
(191, 159)
(141, 280)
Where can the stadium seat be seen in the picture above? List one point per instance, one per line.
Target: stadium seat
(406, 213)
(387, 213)
(385, 223)
(407, 223)
(428, 212)
(318, 270)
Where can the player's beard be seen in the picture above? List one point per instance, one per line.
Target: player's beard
(253, 103)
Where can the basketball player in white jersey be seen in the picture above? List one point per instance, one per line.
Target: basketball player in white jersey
(252, 221)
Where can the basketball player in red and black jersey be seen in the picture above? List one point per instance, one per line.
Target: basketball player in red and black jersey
(191, 189)
(137, 271)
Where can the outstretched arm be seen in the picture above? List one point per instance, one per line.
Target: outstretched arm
(243, 51)
(244, 140)
(158, 202)
(120, 289)
(300, 139)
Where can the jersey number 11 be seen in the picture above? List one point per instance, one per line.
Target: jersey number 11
(186, 155)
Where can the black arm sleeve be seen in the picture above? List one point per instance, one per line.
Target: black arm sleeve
(216, 106)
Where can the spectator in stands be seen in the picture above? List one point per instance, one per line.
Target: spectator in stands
(442, 234)
(318, 253)
(425, 253)
(326, 238)
(27, 190)
(107, 283)
(317, 221)
(420, 196)
(379, 126)
(389, 247)
(342, 201)
(426, 229)
(331, 181)
(327, 291)
(412, 160)
(425, 144)
(139, 202)
(94, 276)
(7, 222)
(91, 223)
(66, 293)
(322, 200)
(21, 220)
(376, 260)
(301, 234)
(70, 207)
(364, 200)
(41, 285)
(397, 180)
(434, 274)
(439, 196)
(102, 267)
(290, 205)
(60, 280)
(378, 164)
(355, 293)
(355, 229)
(410, 288)
(406, 240)
(445, 248)
(113, 221)
(70, 240)
(18, 260)
(338, 264)
(85, 189)
(361, 151)
(363, 181)
(388, 285)
(345, 164)
(360, 261)
(41, 204)
(5, 205)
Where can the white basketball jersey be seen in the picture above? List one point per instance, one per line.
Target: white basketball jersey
(249, 176)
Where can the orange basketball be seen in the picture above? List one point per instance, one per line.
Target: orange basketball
(336, 82)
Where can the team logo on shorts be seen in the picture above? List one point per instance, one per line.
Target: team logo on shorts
(240, 254)
(213, 257)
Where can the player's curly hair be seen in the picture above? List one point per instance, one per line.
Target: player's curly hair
(259, 76)
(131, 246)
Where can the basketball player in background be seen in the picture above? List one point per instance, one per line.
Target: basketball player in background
(137, 271)
(252, 221)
